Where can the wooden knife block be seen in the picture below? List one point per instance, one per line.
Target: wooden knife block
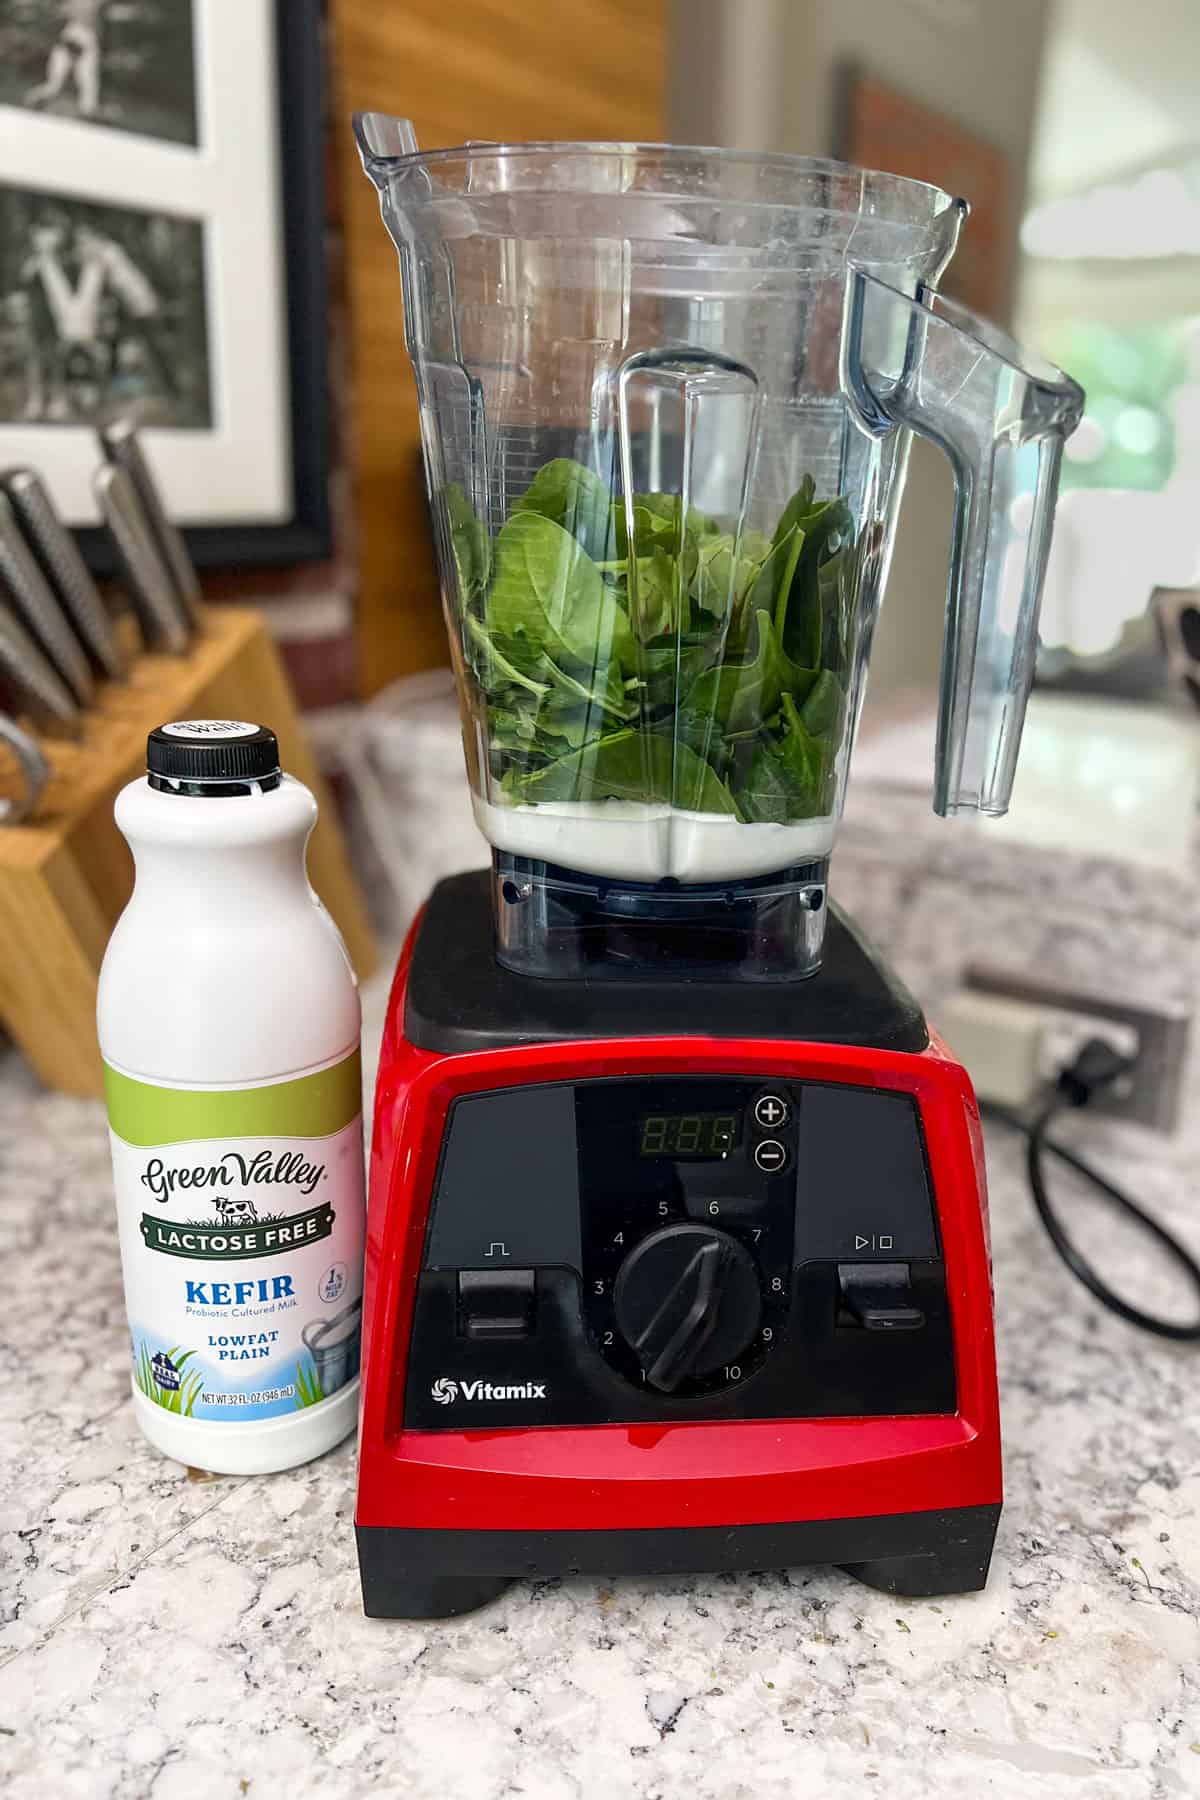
(66, 872)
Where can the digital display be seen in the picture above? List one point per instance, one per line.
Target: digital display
(688, 1134)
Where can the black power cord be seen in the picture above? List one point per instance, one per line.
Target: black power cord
(1095, 1068)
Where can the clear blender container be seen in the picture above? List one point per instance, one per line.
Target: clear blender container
(666, 399)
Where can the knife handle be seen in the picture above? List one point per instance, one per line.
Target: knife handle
(122, 446)
(30, 681)
(39, 608)
(143, 571)
(55, 550)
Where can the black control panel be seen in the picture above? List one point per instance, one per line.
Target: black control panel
(688, 1210)
(680, 1247)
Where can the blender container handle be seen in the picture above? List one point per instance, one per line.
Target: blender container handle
(1001, 417)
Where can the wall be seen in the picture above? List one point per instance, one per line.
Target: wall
(763, 74)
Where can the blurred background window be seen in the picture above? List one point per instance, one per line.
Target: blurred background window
(1109, 286)
(1132, 376)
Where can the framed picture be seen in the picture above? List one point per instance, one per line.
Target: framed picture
(881, 128)
(162, 258)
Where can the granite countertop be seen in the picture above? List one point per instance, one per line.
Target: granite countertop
(167, 1636)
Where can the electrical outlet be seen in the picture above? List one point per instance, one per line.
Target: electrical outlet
(1152, 1093)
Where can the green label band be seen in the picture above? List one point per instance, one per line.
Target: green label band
(268, 1237)
(312, 1106)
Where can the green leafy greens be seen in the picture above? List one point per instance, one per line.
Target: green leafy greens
(643, 653)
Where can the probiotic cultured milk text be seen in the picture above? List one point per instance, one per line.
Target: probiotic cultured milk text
(229, 1025)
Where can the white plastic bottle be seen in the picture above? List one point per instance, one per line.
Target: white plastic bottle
(229, 1025)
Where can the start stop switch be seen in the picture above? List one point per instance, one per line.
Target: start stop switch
(878, 1296)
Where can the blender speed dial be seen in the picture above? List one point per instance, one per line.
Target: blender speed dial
(687, 1301)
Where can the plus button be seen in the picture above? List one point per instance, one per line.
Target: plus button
(770, 1111)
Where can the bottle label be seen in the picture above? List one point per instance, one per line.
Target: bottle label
(241, 1215)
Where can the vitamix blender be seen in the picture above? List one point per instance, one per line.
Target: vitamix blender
(677, 1255)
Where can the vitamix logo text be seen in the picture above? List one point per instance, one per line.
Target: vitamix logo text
(445, 1391)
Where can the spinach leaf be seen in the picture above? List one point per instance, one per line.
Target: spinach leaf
(520, 655)
(631, 765)
(546, 591)
(740, 695)
(719, 576)
(573, 497)
(649, 529)
(798, 614)
(774, 577)
(668, 670)
(602, 689)
(491, 664)
(654, 594)
(798, 607)
(469, 541)
(789, 778)
(658, 522)
(826, 521)
(726, 570)
(810, 760)
(511, 729)
(822, 711)
(765, 796)
(797, 509)
(573, 721)
(667, 506)
(839, 580)
(736, 695)
(700, 733)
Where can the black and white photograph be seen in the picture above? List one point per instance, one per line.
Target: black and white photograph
(102, 314)
(178, 284)
(125, 64)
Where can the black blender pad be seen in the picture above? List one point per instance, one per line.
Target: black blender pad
(460, 998)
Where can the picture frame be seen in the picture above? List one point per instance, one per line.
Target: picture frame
(162, 252)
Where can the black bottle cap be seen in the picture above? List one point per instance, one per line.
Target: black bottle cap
(208, 754)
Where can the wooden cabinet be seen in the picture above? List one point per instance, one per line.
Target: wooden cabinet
(500, 69)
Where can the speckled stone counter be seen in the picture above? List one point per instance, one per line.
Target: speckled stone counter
(166, 1636)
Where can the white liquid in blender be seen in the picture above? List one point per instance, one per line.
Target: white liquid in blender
(637, 841)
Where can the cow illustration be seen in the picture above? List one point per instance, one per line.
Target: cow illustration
(235, 1212)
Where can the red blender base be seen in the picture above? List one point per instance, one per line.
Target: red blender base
(662, 1303)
